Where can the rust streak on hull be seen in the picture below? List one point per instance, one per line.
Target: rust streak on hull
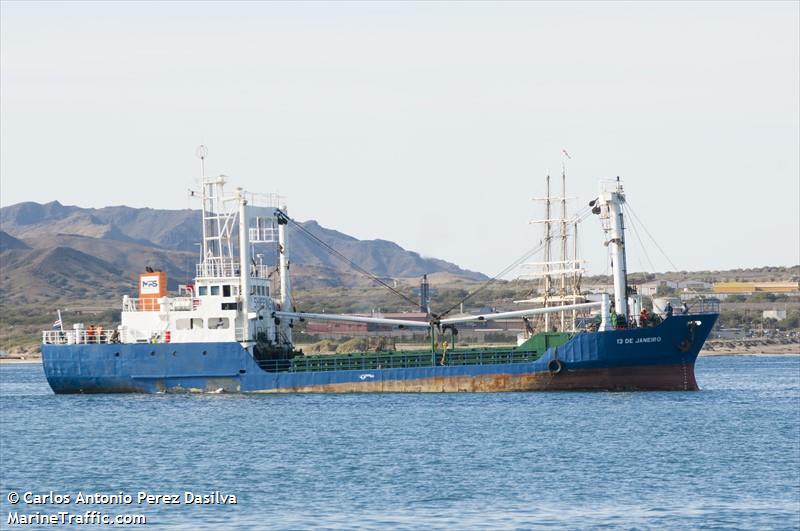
(653, 378)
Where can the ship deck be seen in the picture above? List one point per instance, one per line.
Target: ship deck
(530, 350)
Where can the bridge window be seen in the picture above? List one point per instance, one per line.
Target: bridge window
(215, 290)
(217, 323)
(202, 290)
(188, 324)
(226, 290)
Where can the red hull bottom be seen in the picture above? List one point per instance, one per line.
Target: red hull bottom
(679, 377)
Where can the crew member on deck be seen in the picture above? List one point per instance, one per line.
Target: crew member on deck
(644, 317)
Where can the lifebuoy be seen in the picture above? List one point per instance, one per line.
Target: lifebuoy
(554, 366)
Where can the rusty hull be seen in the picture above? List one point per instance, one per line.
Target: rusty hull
(651, 378)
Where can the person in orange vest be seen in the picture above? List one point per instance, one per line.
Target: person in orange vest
(644, 317)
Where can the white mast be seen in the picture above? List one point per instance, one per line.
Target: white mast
(566, 265)
(547, 241)
(563, 287)
(244, 261)
(575, 267)
(286, 285)
(611, 211)
(202, 151)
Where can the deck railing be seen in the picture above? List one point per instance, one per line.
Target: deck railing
(218, 269)
(265, 200)
(80, 337)
(174, 304)
(228, 269)
(100, 336)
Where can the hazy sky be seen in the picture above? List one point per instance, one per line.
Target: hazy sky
(431, 124)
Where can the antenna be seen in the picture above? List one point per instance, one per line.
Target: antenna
(202, 152)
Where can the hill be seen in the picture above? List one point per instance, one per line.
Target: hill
(112, 245)
(7, 241)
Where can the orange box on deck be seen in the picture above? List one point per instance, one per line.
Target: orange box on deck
(152, 286)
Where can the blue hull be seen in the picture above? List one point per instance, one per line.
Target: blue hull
(644, 358)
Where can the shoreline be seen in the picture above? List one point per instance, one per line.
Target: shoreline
(750, 346)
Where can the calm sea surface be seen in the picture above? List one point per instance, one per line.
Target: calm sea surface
(727, 456)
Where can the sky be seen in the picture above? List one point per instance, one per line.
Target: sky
(428, 124)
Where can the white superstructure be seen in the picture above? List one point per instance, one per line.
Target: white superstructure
(234, 293)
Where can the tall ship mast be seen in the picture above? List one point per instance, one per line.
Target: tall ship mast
(232, 329)
(558, 280)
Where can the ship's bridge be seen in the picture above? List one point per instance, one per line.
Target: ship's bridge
(227, 268)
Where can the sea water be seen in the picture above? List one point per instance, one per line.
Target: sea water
(727, 456)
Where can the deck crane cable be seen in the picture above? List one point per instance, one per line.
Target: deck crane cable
(349, 262)
(698, 295)
(579, 216)
(630, 208)
(486, 284)
(644, 249)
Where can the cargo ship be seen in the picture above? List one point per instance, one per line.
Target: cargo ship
(231, 330)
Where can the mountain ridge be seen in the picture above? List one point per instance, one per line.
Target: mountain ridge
(117, 242)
